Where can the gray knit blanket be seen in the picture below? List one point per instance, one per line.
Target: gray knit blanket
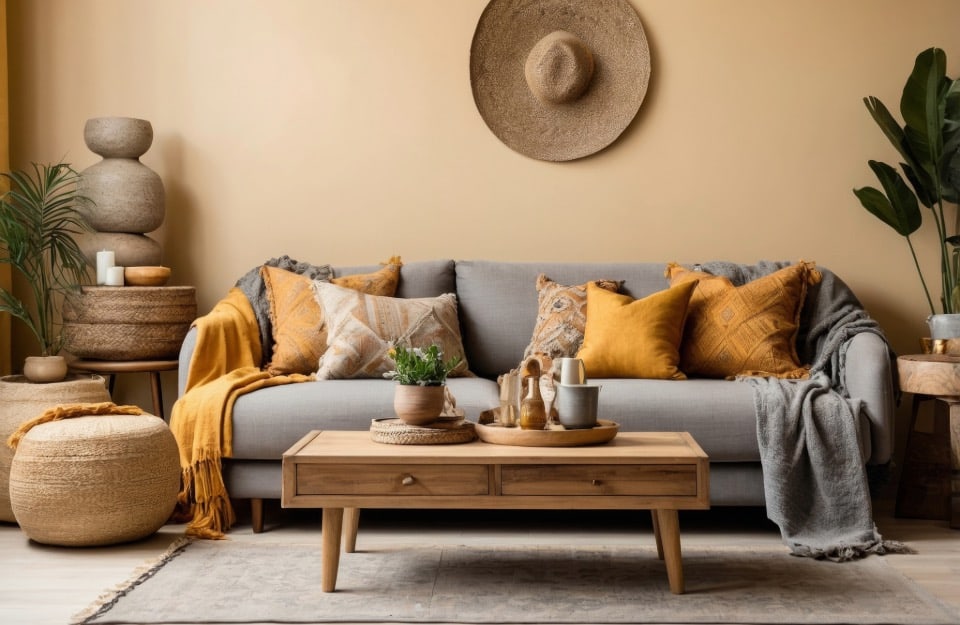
(814, 480)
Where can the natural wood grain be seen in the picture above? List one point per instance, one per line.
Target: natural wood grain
(330, 550)
(930, 374)
(256, 514)
(351, 523)
(337, 470)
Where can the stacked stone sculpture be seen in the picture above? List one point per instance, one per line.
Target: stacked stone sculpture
(127, 197)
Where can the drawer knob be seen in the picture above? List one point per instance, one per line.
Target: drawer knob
(596, 482)
(407, 480)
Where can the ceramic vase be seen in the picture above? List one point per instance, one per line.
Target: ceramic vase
(418, 405)
(127, 197)
(533, 412)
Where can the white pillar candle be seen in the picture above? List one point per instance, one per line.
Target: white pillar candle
(105, 260)
(115, 276)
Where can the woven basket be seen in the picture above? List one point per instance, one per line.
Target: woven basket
(396, 432)
(128, 323)
(22, 400)
(96, 480)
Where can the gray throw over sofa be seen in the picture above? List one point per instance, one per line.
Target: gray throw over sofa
(498, 308)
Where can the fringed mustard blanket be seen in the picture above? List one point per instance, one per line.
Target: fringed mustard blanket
(225, 365)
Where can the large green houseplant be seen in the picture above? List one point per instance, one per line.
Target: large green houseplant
(38, 221)
(929, 144)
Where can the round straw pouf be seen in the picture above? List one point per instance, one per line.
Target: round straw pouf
(22, 400)
(95, 480)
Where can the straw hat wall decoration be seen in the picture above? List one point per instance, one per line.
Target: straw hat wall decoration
(558, 80)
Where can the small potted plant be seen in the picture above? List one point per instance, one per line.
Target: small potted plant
(38, 219)
(421, 374)
(929, 145)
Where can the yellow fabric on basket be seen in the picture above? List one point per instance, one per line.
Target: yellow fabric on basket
(69, 411)
(224, 366)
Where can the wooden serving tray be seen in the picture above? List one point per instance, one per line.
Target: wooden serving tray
(499, 435)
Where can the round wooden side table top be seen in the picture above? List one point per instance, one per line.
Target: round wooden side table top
(930, 374)
(113, 367)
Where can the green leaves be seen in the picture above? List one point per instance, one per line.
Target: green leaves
(929, 144)
(424, 367)
(898, 208)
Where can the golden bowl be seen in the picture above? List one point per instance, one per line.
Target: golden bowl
(146, 276)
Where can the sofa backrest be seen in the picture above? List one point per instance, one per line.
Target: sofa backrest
(498, 302)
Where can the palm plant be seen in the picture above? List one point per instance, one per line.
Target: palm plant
(929, 143)
(38, 218)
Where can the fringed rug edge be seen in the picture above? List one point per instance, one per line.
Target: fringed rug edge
(142, 573)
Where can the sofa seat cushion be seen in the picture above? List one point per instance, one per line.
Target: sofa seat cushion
(269, 421)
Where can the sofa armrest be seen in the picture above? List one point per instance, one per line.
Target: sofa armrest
(186, 353)
(869, 377)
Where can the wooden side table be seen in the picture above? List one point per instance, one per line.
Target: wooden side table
(113, 367)
(937, 376)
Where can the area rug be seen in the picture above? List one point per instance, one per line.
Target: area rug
(227, 582)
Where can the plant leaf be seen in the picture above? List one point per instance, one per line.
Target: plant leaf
(898, 207)
(922, 106)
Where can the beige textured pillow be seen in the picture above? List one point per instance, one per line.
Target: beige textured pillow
(561, 317)
(361, 329)
(299, 332)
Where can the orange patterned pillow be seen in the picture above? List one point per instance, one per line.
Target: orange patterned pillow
(561, 317)
(744, 330)
(299, 331)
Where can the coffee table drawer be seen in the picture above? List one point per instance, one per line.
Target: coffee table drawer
(600, 479)
(392, 479)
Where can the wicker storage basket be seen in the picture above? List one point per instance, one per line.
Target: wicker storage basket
(96, 480)
(128, 323)
(22, 400)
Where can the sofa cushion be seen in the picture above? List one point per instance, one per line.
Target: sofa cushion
(299, 332)
(746, 330)
(422, 278)
(362, 328)
(561, 317)
(635, 338)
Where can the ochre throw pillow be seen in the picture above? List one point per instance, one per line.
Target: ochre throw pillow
(299, 332)
(561, 316)
(634, 338)
(744, 330)
(361, 329)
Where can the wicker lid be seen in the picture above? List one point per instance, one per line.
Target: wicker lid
(396, 432)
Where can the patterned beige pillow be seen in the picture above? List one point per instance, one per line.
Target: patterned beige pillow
(561, 317)
(299, 331)
(361, 328)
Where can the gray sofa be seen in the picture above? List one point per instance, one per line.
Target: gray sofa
(498, 308)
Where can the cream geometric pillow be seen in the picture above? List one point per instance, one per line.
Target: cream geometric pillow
(361, 329)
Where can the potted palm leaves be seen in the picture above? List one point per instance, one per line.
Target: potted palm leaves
(38, 220)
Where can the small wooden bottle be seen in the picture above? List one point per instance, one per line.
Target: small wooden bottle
(533, 414)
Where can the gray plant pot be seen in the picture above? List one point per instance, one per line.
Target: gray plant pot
(944, 326)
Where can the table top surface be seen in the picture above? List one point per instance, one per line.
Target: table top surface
(626, 448)
(124, 366)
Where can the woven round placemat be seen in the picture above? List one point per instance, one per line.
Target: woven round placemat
(396, 432)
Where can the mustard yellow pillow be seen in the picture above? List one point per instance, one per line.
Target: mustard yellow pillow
(634, 338)
(744, 330)
(299, 332)
(561, 316)
(362, 328)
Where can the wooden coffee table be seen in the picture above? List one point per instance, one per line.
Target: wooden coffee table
(336, 470)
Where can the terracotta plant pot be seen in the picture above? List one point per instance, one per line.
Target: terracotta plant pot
(45, 368)
(418, 405)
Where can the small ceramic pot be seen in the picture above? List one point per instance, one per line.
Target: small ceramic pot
(418, 405)
(45, 368)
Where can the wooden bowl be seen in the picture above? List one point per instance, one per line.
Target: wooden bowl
(146, 276)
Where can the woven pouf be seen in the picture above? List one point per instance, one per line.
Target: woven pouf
(22, 400)
(95, 480)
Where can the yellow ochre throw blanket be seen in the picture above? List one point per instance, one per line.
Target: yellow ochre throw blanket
(225, 365)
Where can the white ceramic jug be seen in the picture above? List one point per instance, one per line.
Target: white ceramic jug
(572, 371)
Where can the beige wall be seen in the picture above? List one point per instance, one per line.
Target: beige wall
(344, 131)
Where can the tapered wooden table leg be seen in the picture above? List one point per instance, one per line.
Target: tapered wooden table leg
(351, 522)
(670, 536)
(656, 534)
(330, 556)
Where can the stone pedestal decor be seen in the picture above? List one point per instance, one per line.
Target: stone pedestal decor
(128, 198)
